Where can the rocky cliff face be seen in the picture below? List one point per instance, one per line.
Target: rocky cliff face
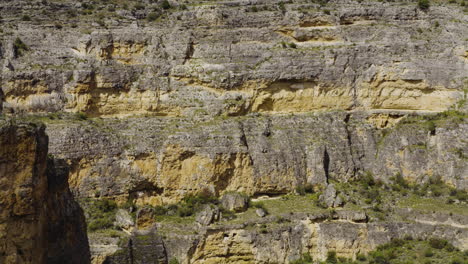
(40, 222)
(160, 160)
(234, 57)
(149, 102)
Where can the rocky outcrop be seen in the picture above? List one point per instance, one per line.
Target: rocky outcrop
(235, 202)
(39, 222)
(144, 247)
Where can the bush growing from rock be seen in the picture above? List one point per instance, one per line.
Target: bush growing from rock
(438, 243)
(19, 47)
(166, 5)
(331, 257)
(152, 16)
(423, 4)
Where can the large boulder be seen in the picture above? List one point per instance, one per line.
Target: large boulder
(235, 202)
(123, 219)
(330, 197)
(208, 215)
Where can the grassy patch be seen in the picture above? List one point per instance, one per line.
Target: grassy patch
(100, 213)
(430, 205)
(402, 251)
(292, 204)
(381, 198)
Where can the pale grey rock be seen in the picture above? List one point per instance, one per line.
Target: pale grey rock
(260, 212)
(123, 219)
(235, 202)
(329, 196)
(208, 215)
(353, 216)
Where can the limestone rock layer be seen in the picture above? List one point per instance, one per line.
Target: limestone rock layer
(236, 57)
(148, 102)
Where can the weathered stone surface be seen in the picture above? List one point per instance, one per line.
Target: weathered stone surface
(219, 57)
(141, 247)
(123, 219)
(260, 212)
(207, 215)
(352, 216)
(39, 220)
(258, 97)
(160, 160)
(329, 197)
(287, 242)
(235, 202)
(145, 218)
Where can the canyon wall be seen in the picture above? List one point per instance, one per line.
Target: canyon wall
(149, 102)
(39, 222)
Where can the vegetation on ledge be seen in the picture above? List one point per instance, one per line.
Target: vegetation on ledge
(402, 251)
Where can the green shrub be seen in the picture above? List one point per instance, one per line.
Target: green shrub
(199, 199)
(166, 5)
(185, 210)
(98, 224)
(361, 257)
(106, 205)
(81, 116)
(71, 13)
(100, 214)
(281, 6)
(379, 257)
(400, 181)
(87, 6)
(436, 190)
(450, 248)
(331, 257)
(173, 261)
(457, 261)
(459, 194)
(408, 237)
(428, 253)
(193, 203)
(139, 6)
(367, 180)
(292, 45)
(423, 4)
(438, 243)
(160, 210)
(26, 18)
(306, 258)
(152, 16)
(227, 214)
(19, 47)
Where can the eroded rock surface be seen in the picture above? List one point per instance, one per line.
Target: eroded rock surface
(255, 97)
(39, 221)
(222, 58)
